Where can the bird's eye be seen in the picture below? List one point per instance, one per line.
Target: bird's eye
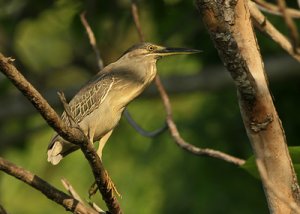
(151, 48)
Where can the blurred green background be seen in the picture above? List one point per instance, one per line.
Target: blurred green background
(153, 175)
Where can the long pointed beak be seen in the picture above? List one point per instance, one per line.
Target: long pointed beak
(174, 51)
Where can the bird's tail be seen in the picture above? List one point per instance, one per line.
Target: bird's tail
(58, 148)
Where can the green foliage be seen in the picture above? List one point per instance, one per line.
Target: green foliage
(41, 47)
(250, 167)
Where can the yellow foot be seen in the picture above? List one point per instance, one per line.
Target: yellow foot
(94, 188)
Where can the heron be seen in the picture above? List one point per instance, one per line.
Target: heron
(99, 104)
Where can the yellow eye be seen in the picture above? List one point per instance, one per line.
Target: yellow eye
(151, 48)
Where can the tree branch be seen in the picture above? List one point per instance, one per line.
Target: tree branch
(92, 40)
(265, 26)
(101, 176)
(264, 176)
(136, 19)
(140, 130)
(290, 24)
(73, 135)
(68, 202)
(229, 25)
(71, 190)
(75, 195)
(273, 9)
(182, 143)
(38, 101)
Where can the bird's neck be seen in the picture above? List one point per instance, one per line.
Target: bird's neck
(140, 70)
(150, 72)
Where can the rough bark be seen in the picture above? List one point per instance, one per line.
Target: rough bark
(230, 28)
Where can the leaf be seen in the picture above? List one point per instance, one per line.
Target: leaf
(250, 165)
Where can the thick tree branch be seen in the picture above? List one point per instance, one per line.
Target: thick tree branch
(230, 28)
(73, 135)
(68, 202)
(264, 176)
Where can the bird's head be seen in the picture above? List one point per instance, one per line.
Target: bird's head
(143, 50)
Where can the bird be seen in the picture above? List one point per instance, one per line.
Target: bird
(99, 104)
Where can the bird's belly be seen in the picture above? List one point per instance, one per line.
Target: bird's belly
(107, 116)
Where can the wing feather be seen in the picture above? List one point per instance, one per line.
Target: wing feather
(90, 97)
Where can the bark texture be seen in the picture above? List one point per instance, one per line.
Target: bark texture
(230, 27)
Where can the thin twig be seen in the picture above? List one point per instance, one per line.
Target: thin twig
(63, 100)
(290, 24)
(136, 19)
(75, 195)
(140, 130)
(273, 9)
(182, 143)
(68, 202)
(170, 122)
(71, 190)
(69, 114)
(97, 208)
(92, 40)
(264, 176)
(265, 26)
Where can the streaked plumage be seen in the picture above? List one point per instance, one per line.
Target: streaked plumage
(98, 106)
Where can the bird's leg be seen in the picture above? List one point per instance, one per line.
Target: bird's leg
(102, 143)
(93, 189)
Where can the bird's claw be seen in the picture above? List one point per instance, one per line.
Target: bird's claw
(94, 188)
